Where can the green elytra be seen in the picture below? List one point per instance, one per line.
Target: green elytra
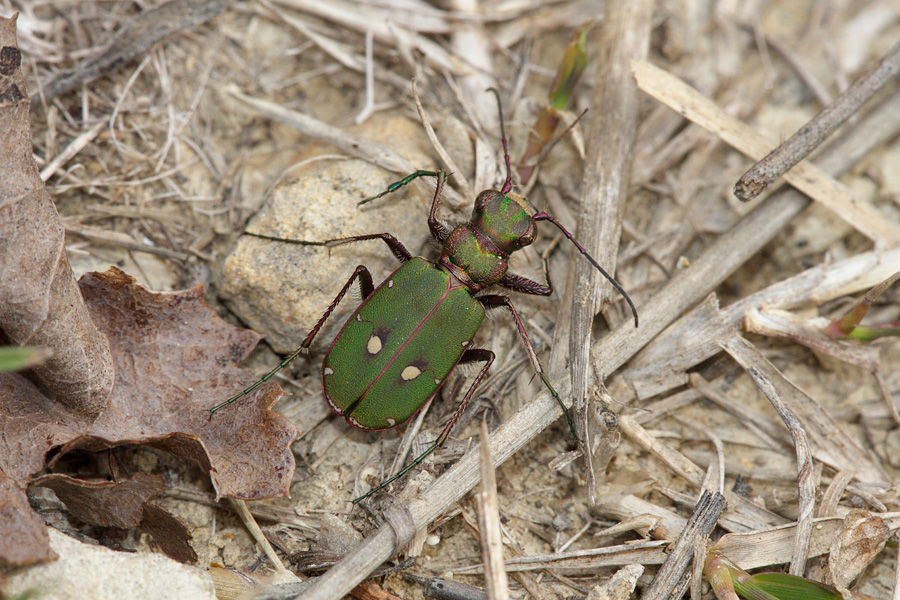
(406, 337)
(383, 360)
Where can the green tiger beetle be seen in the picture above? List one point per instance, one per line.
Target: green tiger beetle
(408, 334)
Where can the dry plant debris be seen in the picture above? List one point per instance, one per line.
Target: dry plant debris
(157, 166)
(168, 356)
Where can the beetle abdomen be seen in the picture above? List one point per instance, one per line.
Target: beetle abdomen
(399, 346)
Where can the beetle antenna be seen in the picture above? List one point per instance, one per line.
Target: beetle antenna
(542, 216)
(507, 185)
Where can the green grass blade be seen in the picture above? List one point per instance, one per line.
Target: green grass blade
(16, 358)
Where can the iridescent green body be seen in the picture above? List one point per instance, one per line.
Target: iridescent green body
(400, 344)
(409, 333)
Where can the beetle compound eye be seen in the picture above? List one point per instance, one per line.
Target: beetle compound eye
(481, 201)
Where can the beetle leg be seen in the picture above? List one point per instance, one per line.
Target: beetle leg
(399, 184)
(397, 248)
(366, 287)
(439, 230)
(495, 300)
(517, 283)
(470, 355)
(524, 285)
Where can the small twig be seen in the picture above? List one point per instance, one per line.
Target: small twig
(645, 552)
(762, 373)
(488, 510)
(118, 239)
(134, 39)
(670, 574)
(808, 137)
(408, 437)
(832, 496)
(438, 588)
(455, 172)
(625, 35)
(369, 107)
(240, 507)
(76, 146)
(575, 537)
(720, 466)
(700, 552)
(806, 177)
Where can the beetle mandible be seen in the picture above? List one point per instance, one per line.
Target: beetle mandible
(402, 342)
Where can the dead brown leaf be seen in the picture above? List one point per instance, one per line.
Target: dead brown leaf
(23, 537)
(39, 301)
(861, 539)
(169, 532)
(174, 358)
(104, 503)
(123, 504)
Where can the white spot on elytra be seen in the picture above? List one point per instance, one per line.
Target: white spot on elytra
(391, 422)
(466, 343)
(359, 318)
(374, 346)
(390, 283)
(327, 371)
(410, 373)
(437, 381)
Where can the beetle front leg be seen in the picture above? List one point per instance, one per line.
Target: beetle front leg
(493, 301)
(366, 287)
(523, 285)
(438, 229)
(399, 184)
(469, 356)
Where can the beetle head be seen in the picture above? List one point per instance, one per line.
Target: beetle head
(505, 219)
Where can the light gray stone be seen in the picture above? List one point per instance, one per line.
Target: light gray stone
(95, 572)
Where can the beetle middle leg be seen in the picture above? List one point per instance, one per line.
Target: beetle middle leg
(469, 356)
(366, 287)
(397, 247)
(496, 300)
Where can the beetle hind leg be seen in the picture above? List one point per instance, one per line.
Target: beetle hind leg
(470, 355)
(494, 301)
(366, 287)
